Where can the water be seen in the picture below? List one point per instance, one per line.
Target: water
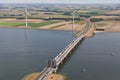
(97, 58)
(21, 54)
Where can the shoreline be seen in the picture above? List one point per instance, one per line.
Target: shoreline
(53, 29)
(98, 31)
(107, 31)
(35, 29)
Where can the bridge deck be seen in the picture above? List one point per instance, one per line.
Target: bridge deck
(62, 55)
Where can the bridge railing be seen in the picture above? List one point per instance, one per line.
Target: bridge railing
(67, 49)
(64, 49)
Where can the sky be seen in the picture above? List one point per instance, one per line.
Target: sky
(59, 1)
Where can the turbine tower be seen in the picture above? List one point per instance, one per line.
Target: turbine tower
(26, 18)
(73, 26)
(73, 22)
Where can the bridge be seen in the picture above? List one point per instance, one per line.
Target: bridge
(53, 65)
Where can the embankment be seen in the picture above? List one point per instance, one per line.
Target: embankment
(90, 33)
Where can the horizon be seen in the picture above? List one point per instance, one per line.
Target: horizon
(62, 2)
(65, 3)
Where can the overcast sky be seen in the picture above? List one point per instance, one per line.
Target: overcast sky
(59, 1)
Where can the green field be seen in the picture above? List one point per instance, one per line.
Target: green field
(101, 23)
(42, 24)
(17, 24)
(11, 24)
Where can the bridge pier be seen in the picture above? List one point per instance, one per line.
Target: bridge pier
(54, 70)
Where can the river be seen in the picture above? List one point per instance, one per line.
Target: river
(97, 58)
(23, 52)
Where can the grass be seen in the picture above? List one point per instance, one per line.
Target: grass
(13, 24)
(95, 26)
(99, 11)
(80, 22)
(55, 16)
(101, 24)
(16, 24)
(42, 23)
(92, 12)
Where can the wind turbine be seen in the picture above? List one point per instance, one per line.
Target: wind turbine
(73, 16)
(26, 17)
(26, 34)
(73, 22)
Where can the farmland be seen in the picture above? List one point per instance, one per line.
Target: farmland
(57, 17)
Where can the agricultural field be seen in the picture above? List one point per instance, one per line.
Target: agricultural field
(109, 25)
(56, 17)
(113, 12)
(11, 24)
(105, 17)
(30, 24)
(42, 23)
